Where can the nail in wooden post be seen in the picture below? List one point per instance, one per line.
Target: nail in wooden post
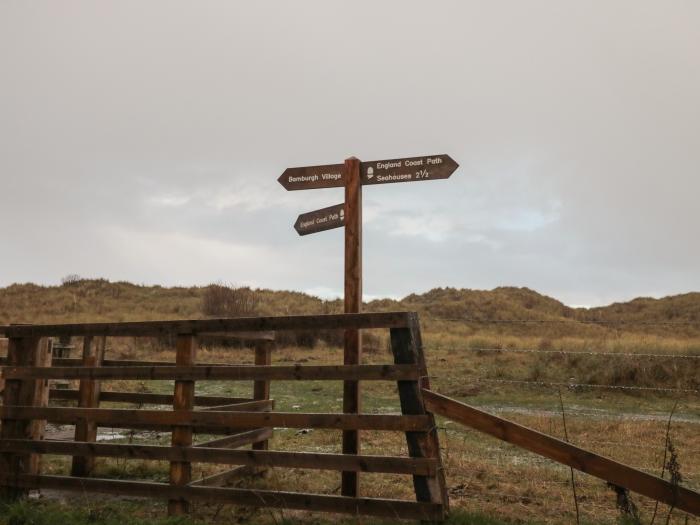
(353, 304)
(261, 389)
(181, 471)
(88, 397)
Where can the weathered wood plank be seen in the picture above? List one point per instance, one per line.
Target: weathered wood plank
(397, 509)
(27, 352)
(232, 373)
(589, 462)
(222, 420)
(223, 335)
(203, 326)
(69, 362)
(407, 348)
(210, 337)
(88, 397)
(40, 398)
(183, 401)
(197, 428)
(261, 388)
(238, 336)
(239, 439)
(223, 479)
(263, 359)
(249, 406)
(227, 456)
(148, 399)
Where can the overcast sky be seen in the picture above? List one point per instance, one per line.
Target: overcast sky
(142, 141)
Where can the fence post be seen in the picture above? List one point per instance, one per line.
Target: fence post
(40, 398)
(23, 351)
(88, 397)
(261, 388)
(407, 347)
(181, 471)
(2, 379)
(352, 355)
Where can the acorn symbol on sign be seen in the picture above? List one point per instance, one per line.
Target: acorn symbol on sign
(370, 172)
(342, 215)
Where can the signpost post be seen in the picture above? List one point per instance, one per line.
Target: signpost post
(352, 175)
(353, 304)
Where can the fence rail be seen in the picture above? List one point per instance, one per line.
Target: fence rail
(254, 458)
(388, 508)
(142, 398)
(216, 326)
(231, 373)
(586, 461)
(222, 420)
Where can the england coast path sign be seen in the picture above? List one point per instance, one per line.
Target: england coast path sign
(352, 175)
(411, 169)
(321, 220)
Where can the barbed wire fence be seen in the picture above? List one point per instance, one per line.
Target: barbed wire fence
(593, 353)
(607, 322)
(571, 384)
(594, 350)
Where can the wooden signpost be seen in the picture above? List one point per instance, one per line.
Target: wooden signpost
(352, 175)
(411, 169)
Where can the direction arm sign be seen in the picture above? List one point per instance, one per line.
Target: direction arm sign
(313, 177)
(409, 169)
(320, 220)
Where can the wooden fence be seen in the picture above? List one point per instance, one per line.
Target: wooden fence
(249, 421)
(29, 404)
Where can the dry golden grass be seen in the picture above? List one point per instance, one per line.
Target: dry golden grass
(483, 474)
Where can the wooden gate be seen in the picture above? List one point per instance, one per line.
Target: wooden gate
(27, 408)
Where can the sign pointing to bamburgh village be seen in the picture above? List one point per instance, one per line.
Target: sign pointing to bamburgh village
(313, 177)
(321, 220)
(376, 172)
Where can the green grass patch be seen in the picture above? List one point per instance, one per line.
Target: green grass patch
(51, 513)
(128, 513)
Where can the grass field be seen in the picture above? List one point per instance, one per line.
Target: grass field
(484, 475)
(519, 372)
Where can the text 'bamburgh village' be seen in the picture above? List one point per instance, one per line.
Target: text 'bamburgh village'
(314, 178)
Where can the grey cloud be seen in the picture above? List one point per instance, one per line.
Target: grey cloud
(133, 134)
